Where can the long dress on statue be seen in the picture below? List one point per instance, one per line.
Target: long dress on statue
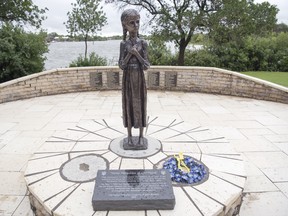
(134, 93)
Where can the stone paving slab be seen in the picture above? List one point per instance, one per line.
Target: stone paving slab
(259, 184)
(264, 204)
(283, 187)
(41, 117)
(8, 204)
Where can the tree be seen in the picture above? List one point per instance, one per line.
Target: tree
(281, 27)
(175, 20)
(21, 53)
(51, 36)
(232, 24)
(262, 17)
(86, 18)
(21, 12)
(238, 19)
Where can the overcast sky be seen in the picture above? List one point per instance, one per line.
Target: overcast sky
(58, 9)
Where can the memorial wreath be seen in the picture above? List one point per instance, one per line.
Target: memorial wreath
(185, 169)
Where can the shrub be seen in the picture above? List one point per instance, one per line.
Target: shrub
(93, 60)
(269, 53)
(201, 57)
(282, 54)
(21, 53)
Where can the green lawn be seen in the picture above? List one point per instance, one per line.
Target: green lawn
(280, 78)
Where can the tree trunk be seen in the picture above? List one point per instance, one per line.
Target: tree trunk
(86, 38)
(181, 55)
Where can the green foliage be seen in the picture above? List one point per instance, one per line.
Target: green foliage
(86, 18)
(260, 52)
(281, 27)
(282, 52)
(269, 53)
(21, 53)
(238, 19)
(93, 60)
(159, 54)
(21, 12)
(240, 35)
(262, 17)
(201, 57)
(51, 36)
(199, 38)
(231, 56)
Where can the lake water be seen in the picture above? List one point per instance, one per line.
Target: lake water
(61, 54)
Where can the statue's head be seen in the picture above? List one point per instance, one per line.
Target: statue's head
(128, 15)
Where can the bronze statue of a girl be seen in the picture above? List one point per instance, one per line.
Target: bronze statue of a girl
(133, 61)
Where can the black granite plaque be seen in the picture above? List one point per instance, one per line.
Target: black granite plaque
(153, 79)
(112, 79)
(96, 79)
(171, 79)
(133, 190)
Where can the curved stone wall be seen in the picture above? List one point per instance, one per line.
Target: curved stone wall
(192, 79)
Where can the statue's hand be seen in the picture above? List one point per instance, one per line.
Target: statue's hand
(134, 50)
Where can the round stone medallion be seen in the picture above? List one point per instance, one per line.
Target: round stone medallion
(194, 174)
(154, 146)
(83, 168)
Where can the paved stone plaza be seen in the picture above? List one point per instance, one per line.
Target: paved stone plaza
(258, 130)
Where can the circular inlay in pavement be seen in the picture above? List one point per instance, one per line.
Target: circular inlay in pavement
(197, 165)
(83, 168)
(154, 146)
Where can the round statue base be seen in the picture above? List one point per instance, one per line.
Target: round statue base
(117, 146)
(135, 143)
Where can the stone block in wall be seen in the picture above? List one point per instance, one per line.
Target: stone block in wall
(153, 79)
(276, 96)
(162, 79)
(171, 79)
(198, 72)
(31, 82)
(113, 79)
(96, 79)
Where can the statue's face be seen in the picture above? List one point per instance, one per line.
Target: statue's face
(132, 24)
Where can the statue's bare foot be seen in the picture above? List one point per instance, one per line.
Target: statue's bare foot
(130, 141)
(141, 141)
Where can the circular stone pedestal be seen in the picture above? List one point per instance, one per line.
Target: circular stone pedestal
(153, 147)
(60, 175)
